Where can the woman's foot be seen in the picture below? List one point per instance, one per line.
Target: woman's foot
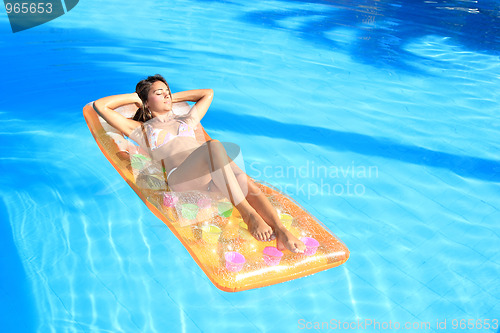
(285, 240)
(258, 228)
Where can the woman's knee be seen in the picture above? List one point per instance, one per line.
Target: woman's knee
(215, 145)
(216, 151)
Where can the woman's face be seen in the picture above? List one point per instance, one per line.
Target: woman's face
(159, 99)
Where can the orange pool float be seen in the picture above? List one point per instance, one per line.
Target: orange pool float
(212, 230)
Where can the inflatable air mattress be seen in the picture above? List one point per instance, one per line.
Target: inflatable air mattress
(211, 229)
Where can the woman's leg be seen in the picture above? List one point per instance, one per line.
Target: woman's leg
(257, 199)
(193, 174)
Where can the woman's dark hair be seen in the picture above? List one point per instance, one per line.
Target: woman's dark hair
(142, 89)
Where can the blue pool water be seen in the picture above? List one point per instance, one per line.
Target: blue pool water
(397, 100)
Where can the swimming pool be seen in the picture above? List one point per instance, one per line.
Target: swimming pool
(380, 118)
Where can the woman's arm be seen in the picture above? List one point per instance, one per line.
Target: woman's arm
(105, 107)
(202, 97)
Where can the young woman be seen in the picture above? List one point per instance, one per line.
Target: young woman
(190, 164)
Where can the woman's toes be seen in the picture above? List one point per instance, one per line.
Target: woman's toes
(287, 241)
(297, 249)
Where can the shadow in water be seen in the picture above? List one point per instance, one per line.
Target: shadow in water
(465, 166)
(383, 29)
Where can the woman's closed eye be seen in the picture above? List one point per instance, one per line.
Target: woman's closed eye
(161, 92)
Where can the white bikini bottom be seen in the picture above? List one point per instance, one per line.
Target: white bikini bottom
(170, 172)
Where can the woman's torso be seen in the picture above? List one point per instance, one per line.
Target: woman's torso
(171, 140)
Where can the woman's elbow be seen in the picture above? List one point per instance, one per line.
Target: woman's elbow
(98, 106)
